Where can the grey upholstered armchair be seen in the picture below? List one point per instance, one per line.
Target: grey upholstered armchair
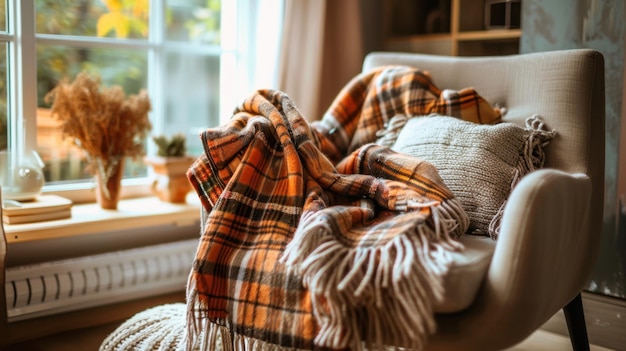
(550, 231)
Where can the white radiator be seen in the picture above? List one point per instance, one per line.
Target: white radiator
(62, 286)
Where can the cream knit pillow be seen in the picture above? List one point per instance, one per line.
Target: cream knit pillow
(479, 163)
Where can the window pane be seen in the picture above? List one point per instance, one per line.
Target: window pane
(4, 125)
(192, 104)
(194, 20)
(3, 16)
(126, 68)
(111, 18)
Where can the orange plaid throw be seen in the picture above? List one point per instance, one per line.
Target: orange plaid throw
(315, 237)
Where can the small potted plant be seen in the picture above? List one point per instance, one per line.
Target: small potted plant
(170, 167)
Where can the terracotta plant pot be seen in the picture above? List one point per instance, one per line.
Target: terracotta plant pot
(170, 182)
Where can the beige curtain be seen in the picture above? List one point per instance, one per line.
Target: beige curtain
(321, 51)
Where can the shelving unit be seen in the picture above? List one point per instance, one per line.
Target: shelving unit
(445, 27)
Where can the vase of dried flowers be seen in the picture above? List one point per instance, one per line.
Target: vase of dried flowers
(105, 124)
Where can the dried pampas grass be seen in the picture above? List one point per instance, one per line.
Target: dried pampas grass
(103, 122)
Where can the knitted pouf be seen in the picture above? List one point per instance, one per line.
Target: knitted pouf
(163, 328)
(159, 328)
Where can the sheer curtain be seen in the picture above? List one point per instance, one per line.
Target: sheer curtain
(321, 50)
(251, 45)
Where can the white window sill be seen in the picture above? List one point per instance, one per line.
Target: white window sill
(91, 230)
(90, 218)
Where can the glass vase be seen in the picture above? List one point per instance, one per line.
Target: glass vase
(109, 183)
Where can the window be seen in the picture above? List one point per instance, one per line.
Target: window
(196, 58)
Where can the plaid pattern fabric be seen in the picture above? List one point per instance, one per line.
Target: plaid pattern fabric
(370, 100)
(314, 234)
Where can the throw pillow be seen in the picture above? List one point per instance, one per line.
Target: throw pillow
(479, 163)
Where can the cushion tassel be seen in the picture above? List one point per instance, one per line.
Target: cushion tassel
(533, 158)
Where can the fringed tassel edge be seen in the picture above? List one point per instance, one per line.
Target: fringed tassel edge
(532, 158)
(374, 296)
(205, 335)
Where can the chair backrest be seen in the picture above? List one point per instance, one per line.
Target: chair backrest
(566, 88)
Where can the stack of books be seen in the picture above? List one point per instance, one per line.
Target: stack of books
(42, 208)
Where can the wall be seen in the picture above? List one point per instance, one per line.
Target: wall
(597, 24)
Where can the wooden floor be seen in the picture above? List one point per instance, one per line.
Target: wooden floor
(544, 341)
(83, 340)
(90, 340)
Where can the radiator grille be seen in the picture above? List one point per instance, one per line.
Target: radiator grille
(62, 286)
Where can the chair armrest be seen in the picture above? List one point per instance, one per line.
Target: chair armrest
(546, 249)
(543, 258)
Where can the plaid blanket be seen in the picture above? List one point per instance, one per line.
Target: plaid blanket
(316, 237)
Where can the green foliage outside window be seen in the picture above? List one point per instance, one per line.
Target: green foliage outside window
(126, 68)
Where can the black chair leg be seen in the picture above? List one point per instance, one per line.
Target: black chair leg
(575, 318)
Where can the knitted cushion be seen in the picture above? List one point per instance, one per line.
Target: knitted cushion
(479, 163)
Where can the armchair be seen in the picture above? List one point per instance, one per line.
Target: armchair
(552, 223)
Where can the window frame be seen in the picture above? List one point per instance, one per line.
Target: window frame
(22, 41)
